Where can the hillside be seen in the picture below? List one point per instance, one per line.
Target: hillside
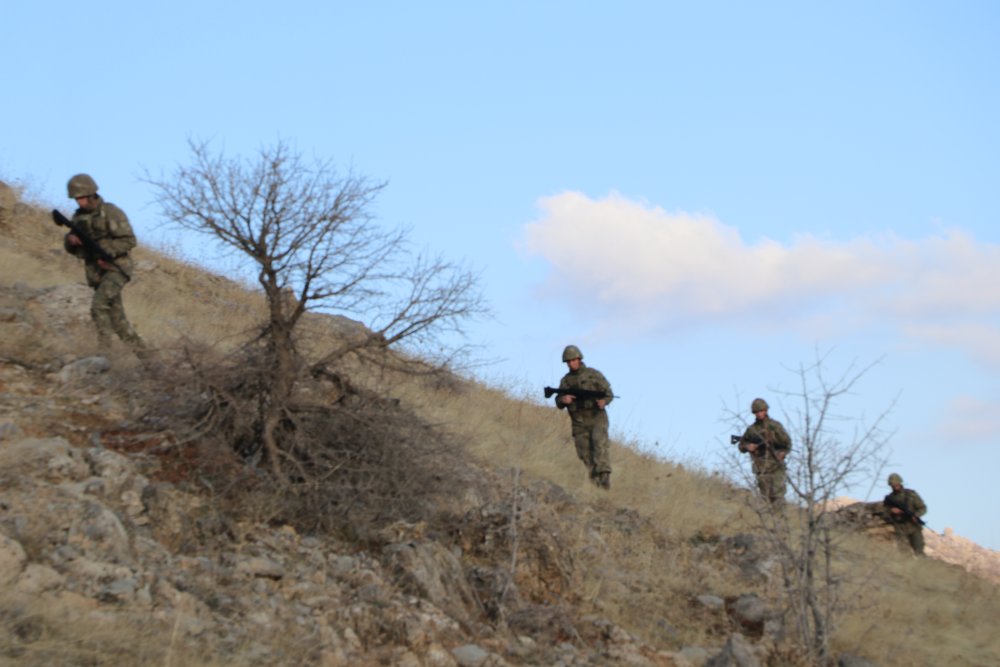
(460, 530)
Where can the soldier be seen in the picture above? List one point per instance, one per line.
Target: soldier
(905, 507)
(108, 226)
(588, 417)
(768, 443)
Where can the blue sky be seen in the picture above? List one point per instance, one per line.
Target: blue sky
(700, 195)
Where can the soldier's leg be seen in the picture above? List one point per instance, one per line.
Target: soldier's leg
(100, 312)
(902, 537)
(916, 539)
(778, 485)
(109, 309)
(760, 474)
(581, 440)
(764, 484)
(601, 444)
(602, 451)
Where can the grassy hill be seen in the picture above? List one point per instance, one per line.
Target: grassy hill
(537, 566)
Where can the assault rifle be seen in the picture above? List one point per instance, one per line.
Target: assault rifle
(578, 393)
(90, 244)
(737, 439)
(907, 513)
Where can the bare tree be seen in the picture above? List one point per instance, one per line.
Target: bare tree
(832, 453)
(309, 235)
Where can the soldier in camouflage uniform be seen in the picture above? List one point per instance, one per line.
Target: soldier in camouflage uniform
(588, 417)
(904, 507)
(109, 227)
(768, 443)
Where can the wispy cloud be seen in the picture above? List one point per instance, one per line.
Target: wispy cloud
(967, 420)
(660, 269)
(980, 340)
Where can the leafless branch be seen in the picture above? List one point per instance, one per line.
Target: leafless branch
(308, 234)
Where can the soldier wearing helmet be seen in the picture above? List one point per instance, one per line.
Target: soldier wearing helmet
(768, 444)
(108, 226)
(904, 507)
(588, 418)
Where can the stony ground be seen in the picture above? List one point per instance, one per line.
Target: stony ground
(103, 543)
(97, 532)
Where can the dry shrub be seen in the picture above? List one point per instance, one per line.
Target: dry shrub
(353, 462)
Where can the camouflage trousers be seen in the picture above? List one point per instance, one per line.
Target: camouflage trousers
(108, 313)
(770, 479)
(590, 435)
(909, 534)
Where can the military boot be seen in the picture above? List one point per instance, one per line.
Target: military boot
(604, 480)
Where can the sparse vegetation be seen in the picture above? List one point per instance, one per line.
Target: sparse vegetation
(309, 239)
(437, 462)
(832, 451)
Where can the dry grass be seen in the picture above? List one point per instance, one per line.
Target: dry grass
(67, 629)
(922, 612)
(168, 301)
(661, 579)
(536, 438)
(70, 630)
(902, 611)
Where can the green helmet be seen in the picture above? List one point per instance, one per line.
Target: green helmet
(758, 405)
(572, 352)
(895, 479)
(81, 185)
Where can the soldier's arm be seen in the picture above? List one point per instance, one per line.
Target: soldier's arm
(749, 438)
(563, 385)
(75, 249)
(919, 508)
(782, 442)
(605, 386)
(121, 238)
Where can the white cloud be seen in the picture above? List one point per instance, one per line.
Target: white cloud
(981, 341)
(654, 269)
(968, 420)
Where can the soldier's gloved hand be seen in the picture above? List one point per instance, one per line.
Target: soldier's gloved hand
(73, 240)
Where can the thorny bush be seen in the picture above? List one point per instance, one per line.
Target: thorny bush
(353, 461)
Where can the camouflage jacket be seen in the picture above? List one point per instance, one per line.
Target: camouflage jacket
(905, 499)
(769, 433)
(584, 378)
(109, 227)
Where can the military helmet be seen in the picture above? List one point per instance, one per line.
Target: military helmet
(895, 479)
(81, 185)
(758, 405)
(572, 352)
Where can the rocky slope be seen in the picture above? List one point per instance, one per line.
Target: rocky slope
(112, 553)
(100, 544)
